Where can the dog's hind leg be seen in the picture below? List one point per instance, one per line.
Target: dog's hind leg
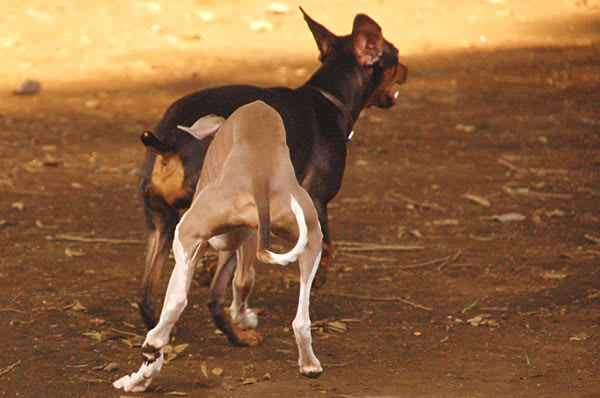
(242, 284)
(308, 264)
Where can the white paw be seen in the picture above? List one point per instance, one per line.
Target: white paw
(246, 319)
(250, 319)
(311, 371)
(140, 380)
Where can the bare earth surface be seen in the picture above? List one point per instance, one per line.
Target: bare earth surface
(487, 169)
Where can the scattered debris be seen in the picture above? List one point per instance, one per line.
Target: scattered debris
(389, 299)
(445, 222)
(483, 320)
(261, 26)
(18, 205)
(583, 336)
(75, 306)
(217, 371)
(359, 246)
(553, 274)
(171, 352)
(9, 368)
(278, 8)
(477, 199)
(540, 195)
(249, 380)
(111, 367)
(82, 239)
(394, 196)
(465, 127)
(592, 238)
(73, 253)
(507, 217)
(470, 306)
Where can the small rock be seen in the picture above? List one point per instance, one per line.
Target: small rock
(28, 86)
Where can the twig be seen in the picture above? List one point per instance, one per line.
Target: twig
(424, 205)
(511, 166)
(9, 368)
(74, 238)
(385, 259)
(592, 238)
(336, 365)
(358, 246)
(450, 260)
(12, 310)
(386, 299)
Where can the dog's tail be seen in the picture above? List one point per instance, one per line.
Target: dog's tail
(264, 230)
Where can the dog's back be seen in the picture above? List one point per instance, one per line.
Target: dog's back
(246, 146)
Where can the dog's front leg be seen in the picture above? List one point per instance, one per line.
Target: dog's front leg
(174, 304)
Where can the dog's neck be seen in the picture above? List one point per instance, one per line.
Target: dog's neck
(347, 90)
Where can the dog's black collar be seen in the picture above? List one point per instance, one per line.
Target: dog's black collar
(338, 104)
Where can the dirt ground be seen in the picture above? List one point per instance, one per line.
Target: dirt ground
(484, 182)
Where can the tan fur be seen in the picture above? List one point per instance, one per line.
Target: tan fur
(168, 177)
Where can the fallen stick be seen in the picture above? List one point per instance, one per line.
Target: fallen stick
(424, 205)
(449, 260)
(74, 238)
(592, 238)
(386, 299)
(511, 166)
(9, 368)
(358, 246)
(384, 259)
(12, 310)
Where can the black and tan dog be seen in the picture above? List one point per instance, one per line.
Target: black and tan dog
(357, 70)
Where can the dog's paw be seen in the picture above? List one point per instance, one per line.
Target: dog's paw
(248, 337)
(312, 371)
(140, 380)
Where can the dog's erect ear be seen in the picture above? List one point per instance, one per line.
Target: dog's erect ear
(154, 145)
(368, 40)
(204, 126)
(323, 37)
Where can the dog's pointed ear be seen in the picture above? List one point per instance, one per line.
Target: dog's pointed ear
(323, 37)
(367, 39)
(204, 126)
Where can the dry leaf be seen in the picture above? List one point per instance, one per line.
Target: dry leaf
(180, 348)
(508, 217)
(75, 306)
(477, 199)
(553, 274)
(18, 205)
(217, 371)
(97, 336)
(73, 253)
(482, 320)
(267, 377)
(579, 337)
(203, 369)
(249, 380)
(465, 127)
(337, 326)
(112, 366)
(446, 221)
